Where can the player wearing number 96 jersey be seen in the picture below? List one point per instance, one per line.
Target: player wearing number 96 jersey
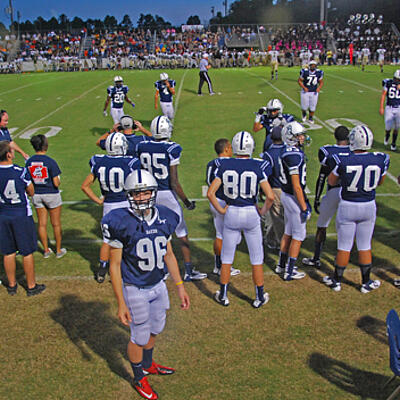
(111, 171)
(139, 237)
(161, 158)
(240, 178)
(297, 210)
(359, 174)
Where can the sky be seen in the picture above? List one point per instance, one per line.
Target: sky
(174, 11)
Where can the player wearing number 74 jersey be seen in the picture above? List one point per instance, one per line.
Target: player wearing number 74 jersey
(111, 171)
(240, 178)
(360, 173)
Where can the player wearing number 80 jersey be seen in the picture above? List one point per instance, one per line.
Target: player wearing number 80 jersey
(359, 173)
(240, 178)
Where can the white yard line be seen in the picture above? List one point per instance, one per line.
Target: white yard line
(178, 96)
(58, 109)
(355, 83)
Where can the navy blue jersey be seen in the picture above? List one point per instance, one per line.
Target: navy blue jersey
(210, 175)
(240, 178)
(269, 123)
(311, 78)
(165, 95)
(360, 174)
(13, 198)
(5, 135)
(143, 243)
(392, 92)
(293, 162)
(117, 95)
(157, 158)
(111, 171)
(328, 163)
(133, 141)
(42, 170)
(273, 155)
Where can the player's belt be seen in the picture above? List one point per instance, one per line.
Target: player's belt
(140, 287)
(395, 106)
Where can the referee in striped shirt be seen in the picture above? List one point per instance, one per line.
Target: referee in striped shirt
(204, 67)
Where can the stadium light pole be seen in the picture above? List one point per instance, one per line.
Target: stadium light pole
(322, 10)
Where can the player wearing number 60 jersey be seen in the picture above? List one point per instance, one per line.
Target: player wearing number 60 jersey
(111, 171)
(239, 178)
(161, 158)
(359, 173)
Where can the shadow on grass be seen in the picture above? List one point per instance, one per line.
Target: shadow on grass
(90, 328)
(374, 327)
(365, 384)
(99, 131)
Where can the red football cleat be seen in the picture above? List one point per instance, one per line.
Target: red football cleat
(144, 389)
(157, 369)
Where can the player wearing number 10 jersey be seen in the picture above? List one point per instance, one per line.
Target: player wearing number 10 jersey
(360, 173)
(240, 178)
(111, 171)
(161, 158)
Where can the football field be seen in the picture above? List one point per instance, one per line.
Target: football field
(308, 342)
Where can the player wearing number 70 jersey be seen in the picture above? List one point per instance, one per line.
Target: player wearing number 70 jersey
(111, 171)
(240, 178)
(359, 173)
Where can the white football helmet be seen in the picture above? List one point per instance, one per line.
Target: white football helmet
(291, 133)
(243, 144)
(361, 138)
(396, 75)
(163, 76)
(126, 122)
(116, 144)
(274, 105)
(161, 127)
(118, 80)
(138, 181)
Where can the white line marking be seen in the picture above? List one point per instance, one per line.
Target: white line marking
(393, 178)
(355, 83)
(18, 100)
(31, 84)
(178, 96)
(59, 108)
(38, 99)
(58, 98)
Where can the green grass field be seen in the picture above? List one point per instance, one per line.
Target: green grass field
(307, 343)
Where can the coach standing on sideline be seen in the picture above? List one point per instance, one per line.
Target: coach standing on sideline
(5, 134)
(204, 67)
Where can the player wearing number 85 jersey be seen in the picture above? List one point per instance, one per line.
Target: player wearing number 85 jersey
(139, 237)
(240, 178)
(360, 173)
(111, 171)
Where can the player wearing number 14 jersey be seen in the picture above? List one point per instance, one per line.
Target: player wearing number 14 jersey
(359, 173)
(111, 171)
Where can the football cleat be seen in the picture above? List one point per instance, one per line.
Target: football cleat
(393, 147)
(144, 389)
(234, 271)
(294, 275)
(385, 141)
(194, 276)
(224, 302)
(258, 303)
(279, 269)
(157, 369)
(370, 286)
(310, 262)
(311, 120)
(396, 282)
(304, 119)
(332, 283)
(101, 275)
(61, 253)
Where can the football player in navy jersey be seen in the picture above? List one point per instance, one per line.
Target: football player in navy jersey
(139, 237)
(118, 94)
(268, 117)
(297, 210)
(165, 89)
(275, 224)
(17, 229)
(223, 148)
(391, 92)
(329, 204)
(128, 126)
(5, 134)
(161, 158)
(240, 178)
(111, 171)
(359, 175)
(45, 174)
(311, 81)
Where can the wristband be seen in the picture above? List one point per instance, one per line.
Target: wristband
(179, 283)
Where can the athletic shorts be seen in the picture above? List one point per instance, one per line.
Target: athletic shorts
(47, 200)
